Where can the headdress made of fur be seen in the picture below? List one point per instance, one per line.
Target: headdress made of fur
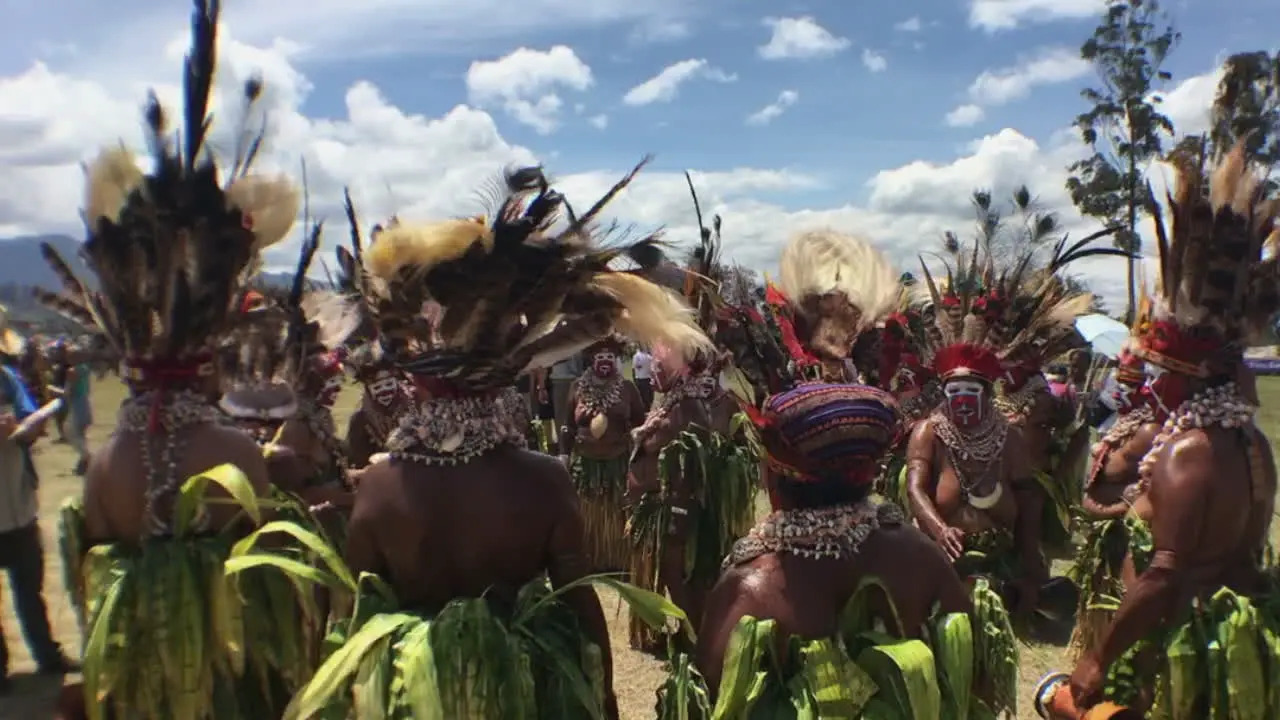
(513, 294)
(171, 248)
(835, 288)
(1219, 283)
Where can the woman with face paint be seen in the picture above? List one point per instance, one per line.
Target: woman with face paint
(1110, 491)
(1206, 487)
(606, 408)
(914, 386)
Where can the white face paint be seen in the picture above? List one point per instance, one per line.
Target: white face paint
(964, 401)
(384, 388)
(1154, 373)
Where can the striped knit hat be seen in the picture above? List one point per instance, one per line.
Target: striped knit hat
(818, 432)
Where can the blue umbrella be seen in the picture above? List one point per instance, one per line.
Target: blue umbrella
(1105, 335)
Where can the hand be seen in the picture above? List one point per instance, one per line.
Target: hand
(1087, 681)
(951, 540)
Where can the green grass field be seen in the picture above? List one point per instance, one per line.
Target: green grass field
(635, 676)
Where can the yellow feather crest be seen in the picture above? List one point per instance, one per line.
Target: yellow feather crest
(109, 180)
(272, 204)
(654, 316)
(423, 247)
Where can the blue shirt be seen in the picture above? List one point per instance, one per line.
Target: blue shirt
(23, 405)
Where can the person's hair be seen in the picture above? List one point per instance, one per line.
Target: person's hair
(796, 495)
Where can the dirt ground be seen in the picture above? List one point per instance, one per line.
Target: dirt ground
(636, 676)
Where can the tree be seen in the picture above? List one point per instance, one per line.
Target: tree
(1247, 108)
(1124, 128)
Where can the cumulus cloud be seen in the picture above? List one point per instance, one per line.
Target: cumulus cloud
(599, 122)
(665, 86)
(1048, 66)
(800, 38)
(995, 15)
(770, 112)
(911, 24)
(429, 166)
(660, 30)
(525, 84)
(874, 61)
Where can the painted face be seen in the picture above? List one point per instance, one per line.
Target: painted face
(965, 401)
(384, 388)
(604, 363)
(1165, 390)
(329, 391)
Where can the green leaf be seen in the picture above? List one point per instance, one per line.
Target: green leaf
(313, 543)
(335, 674)
(191, 496)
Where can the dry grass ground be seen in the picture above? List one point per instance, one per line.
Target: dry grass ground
(636, 676)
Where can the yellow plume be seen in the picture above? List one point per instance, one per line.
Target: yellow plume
(423, 247)
(110, 179)
(654, 316)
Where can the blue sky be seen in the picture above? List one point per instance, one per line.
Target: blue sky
(863, 144)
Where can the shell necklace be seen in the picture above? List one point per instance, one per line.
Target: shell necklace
(454, 431)
(833, 532)
(1017, 405)
(1219, 406)
(598, 396)
(983, 446)
(1125, 427)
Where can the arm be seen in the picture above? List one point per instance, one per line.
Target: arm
(566, 563)
(635, 404)
(359, 444)
(726, 604)
(367, 512)
(1178, 496)
(921, 481)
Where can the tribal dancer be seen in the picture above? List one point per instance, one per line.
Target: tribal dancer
(798, 619)
(386, 395)
(168, 635)
(474, 632)
(904, 372)
(606, 408)
(1197, 626)
(1111, 487)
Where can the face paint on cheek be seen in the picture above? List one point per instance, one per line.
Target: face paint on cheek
(604, 364)
(964, 402)
(329, 393)
(384, 388)
(1163, 388)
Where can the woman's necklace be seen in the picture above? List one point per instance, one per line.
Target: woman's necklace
(454, 431)
(598, 395)
(834, 532)
(1124, 428)
(982, 447)
(1219, 406)
(1016, 406)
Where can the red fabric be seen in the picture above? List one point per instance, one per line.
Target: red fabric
(1167, 338)
(977, 359)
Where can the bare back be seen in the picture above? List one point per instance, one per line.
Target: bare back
(437, 533)
(805, 597)
(116, 482)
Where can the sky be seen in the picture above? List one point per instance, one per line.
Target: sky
(876, 119)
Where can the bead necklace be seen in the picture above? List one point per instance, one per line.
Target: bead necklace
(1017, 405)
(1219, 406)
(175, 412)
(454, 431)
(834, 532)
(670, 399)
(599, 395)
(983, 446)
(1125, 427)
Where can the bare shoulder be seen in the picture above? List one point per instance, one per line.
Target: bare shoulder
(547, 470)
(922, 437)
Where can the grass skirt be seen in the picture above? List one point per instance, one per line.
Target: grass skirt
(1097, 571)
(602, 486)
(467, 661)
(168, 634)
(966, 666)
(1220, 660)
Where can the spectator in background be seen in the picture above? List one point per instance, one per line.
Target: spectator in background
(21, 545)
(1056, 376)
(642, 373)
(540, 398)
(561, 378)
(1080, 362)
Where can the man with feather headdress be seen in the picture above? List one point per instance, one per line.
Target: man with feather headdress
(168, 633)
(1208, 483)
(478, 632)
(970, 482)
(797, 596)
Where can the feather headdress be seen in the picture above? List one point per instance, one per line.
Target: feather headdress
(983, 319)
(170, 249)
(1218, 288)
(513, 293)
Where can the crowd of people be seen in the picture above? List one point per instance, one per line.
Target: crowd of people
(235, 554)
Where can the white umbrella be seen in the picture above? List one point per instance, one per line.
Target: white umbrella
(1105, 335)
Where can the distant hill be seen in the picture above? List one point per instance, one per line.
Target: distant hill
(22, 268)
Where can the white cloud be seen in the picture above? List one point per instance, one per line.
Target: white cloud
(1048, 66)
(599, 122)
(664, 86)
(660, 31)
(768, 113)
(994, 15)
(874, 61)
(965, 115)
(524, 84)
(800, 38)
(911, 24)
(424, 167)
